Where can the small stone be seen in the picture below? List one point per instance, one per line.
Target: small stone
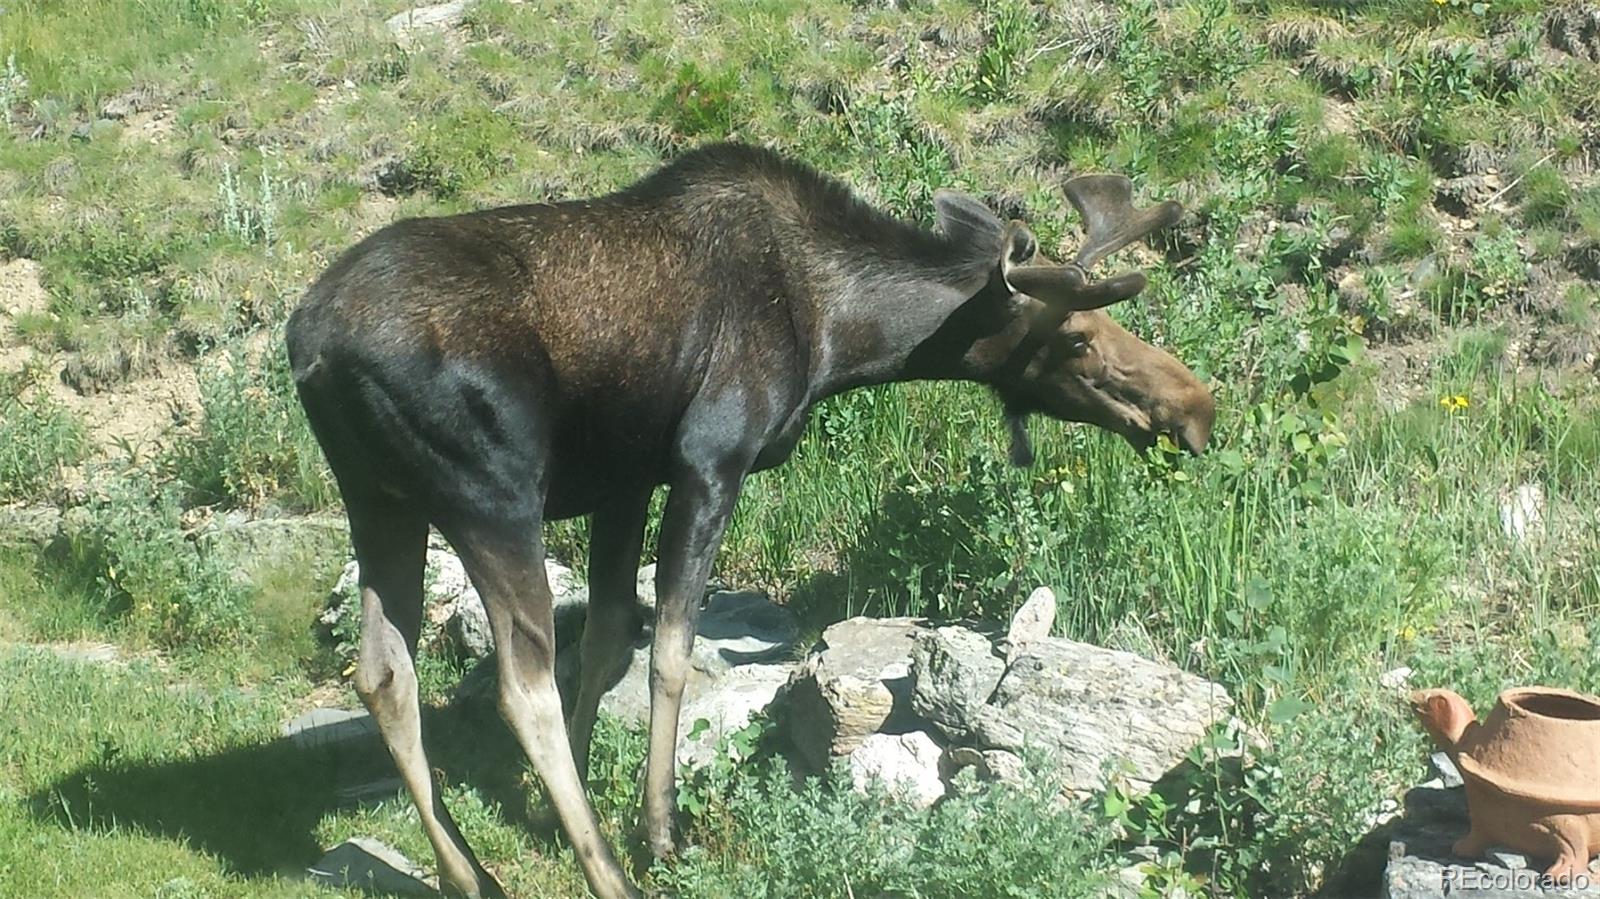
(1396, 678)
(440, 16)
(907, 764)
(1448, 775)
(1510, 860)
(366, 864)
(1031, 622)
(1522, 511)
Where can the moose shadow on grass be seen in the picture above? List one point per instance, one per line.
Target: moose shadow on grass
(256, 808)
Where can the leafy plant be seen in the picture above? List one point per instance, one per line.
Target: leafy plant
(130, 545)
(37, 437)
(253, 443)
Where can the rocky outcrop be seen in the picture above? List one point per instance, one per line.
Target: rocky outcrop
(1089, 708)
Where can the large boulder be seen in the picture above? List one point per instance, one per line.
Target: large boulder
(856, 683)
(1086, 705)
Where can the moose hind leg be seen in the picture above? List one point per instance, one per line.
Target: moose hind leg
(508, 570)
(616, 536)
(391, 549)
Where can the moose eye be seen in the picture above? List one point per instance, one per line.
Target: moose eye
(1075, 345)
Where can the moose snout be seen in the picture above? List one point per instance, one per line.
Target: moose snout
(1193, 426)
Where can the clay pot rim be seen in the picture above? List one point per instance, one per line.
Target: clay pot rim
(1514, 697)
(1521, 788)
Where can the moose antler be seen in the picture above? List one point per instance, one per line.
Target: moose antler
(1106, 204)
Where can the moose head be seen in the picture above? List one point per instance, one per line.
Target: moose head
(1075, 362)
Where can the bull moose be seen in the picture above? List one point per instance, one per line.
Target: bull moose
(486, 372)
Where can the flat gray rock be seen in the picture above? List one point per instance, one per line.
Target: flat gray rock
(741, 657)
(329, 727)
(368, 865)
(1422, 866)
(1088, 706)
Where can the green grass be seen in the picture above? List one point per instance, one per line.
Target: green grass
(1336, 532)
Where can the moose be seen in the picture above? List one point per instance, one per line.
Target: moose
(486, 372)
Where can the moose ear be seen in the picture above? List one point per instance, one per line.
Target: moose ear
(1021, 245)
(962, 218)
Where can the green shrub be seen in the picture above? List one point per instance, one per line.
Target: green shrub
(253, 443)
(129, 544)
(700, 102)
(37, 437)
(769, 839)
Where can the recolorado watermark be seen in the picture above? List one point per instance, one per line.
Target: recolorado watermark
(1507, 880)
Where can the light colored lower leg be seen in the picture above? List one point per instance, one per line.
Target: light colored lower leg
(386, 681)
(532, 708)
(669, 668)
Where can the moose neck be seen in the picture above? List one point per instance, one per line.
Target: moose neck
(894, 320)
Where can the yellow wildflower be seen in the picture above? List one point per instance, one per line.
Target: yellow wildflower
(1455, 403)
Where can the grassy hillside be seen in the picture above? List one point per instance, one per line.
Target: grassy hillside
(1390, 273)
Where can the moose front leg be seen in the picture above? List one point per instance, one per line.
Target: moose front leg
(697, 513)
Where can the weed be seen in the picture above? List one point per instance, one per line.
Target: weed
(37, 437)
(131, 546)
(253, 442)
(700, 103)
(249, 219)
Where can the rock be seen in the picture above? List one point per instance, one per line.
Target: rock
(1522, 511)
(740, 627)
(370, 866)
(907, 764)
(1086, 705)
(126, 104)
(1031, 622)
(991, 764)
(851, 686)
(27, 525)
(249, 546)
(1448, 775)
(737, 697)
(1353, 292)
(328, 727)
(440, 16)
(1395, 679)
(1422, 866)
(645, 583)
(738, 663)
(954, 670)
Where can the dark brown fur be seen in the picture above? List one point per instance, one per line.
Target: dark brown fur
(486, 372)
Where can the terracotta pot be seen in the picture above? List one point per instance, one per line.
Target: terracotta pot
(1539, 743)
